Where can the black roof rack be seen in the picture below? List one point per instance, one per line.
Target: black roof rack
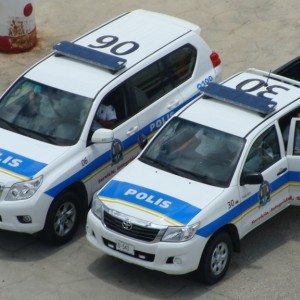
(239, 98)
(91, 56)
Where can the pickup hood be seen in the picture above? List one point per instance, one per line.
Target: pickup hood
(156, 196)
(21, 157)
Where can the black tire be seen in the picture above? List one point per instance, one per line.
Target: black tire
(215, 258)
(62, 219)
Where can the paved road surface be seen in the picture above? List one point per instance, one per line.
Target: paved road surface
(258, 33)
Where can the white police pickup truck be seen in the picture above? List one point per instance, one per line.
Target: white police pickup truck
(220, 167)
(135, 71)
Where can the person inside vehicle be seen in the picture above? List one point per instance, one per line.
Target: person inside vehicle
(105, 117)
(31, 103)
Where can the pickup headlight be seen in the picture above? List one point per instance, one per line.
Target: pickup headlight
(24, 190)
(97, 207)
(180, 234)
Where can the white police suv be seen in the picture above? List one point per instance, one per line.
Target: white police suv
(131, 74)
(219, 168)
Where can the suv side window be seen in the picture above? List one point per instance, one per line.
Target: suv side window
(181, 64)
(150, 84)
(161, 77)
(264, 152)
(116, 107)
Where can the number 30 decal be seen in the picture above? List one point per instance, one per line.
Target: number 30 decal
(121, 48)
(255, 84)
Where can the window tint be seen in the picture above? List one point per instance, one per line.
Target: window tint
(285, 121)
(193, 151)
(181, 64)
(150, 84)
(263, 153)
(44, 113)
(296, 150)
(161, 77)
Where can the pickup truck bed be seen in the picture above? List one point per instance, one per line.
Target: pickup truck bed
(290, 70)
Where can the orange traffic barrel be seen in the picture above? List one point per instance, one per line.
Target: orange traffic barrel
(17, 25)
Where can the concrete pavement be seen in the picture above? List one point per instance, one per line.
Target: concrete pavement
(258, 33)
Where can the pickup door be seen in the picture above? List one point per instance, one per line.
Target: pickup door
(293, 157)
(261, 201)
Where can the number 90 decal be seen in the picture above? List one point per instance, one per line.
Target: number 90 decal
(117, 48)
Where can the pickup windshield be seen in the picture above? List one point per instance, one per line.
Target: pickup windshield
(195, 151)
(44, 113)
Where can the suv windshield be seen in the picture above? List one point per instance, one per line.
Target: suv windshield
(44, 113)
(196, 152)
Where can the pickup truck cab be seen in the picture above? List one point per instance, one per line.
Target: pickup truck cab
(219, 168)
(133, 72)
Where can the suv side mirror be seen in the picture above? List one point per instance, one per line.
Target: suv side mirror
(251, 178)
(103, 135)
(142, 141)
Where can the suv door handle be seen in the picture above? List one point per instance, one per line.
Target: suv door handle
(281, 171)
(173, 104)
(132, 130)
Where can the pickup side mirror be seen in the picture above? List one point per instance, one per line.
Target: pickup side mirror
(103, 135)
(251, 178)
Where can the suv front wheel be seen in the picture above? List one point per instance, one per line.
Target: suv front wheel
(62, 219)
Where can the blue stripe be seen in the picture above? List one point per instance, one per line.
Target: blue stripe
(171, 207)
(294, 176)
(106, 157)
(238, 210)
(20, 164)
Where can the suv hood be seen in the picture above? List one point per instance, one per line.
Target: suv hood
(21, 157)
(156, 196)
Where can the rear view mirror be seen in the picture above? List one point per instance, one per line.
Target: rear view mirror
(251, 178)
(103, 135)
(142, 141)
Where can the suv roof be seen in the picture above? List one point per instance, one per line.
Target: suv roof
(235, 118)
(150, 30)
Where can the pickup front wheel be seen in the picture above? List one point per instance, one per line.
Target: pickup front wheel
(215, 258)
(62, 219)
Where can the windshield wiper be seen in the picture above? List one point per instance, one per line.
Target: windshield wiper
(159, 163)
(12, 126)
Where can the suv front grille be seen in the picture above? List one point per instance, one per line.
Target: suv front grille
(137, 232)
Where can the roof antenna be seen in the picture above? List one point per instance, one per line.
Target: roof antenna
(266, 83)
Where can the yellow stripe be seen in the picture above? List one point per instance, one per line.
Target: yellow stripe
(108, 164)
(20, 177)
(141, 208)
(255, 206)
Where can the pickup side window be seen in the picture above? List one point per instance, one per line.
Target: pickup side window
(264, 152)
(285, 122)
(296, 149)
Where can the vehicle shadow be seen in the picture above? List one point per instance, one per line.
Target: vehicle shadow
(16, 246)
(262, 241)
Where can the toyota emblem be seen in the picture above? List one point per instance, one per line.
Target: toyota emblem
(127, 225)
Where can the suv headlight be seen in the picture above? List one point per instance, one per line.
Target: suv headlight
(97, 207)
(180, 234)
(24, 190)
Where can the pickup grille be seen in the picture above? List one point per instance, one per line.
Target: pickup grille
(137, 232)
